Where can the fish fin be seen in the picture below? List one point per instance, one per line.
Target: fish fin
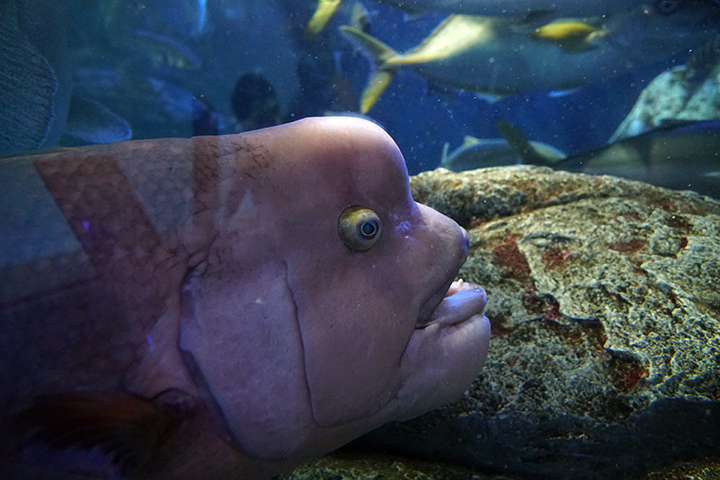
(323, 13)
(379, 52)
(515, 138)
(444, 157)
(129, 429)
(359, 18)
(93, 122)
(469, 141)
(378, 83)
(383, 75)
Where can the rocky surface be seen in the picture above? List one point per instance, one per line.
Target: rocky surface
(604, 299)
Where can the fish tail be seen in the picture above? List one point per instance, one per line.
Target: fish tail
(323, 12)
(514, 137)
(383, 74)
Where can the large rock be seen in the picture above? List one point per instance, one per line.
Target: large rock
(672, 96)
(604, 297)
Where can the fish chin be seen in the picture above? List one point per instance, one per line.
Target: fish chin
(445, 352)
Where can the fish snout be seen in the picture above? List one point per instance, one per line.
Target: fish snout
(451, 337)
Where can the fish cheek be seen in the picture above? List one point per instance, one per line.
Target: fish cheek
(355, 323)
(243, 337)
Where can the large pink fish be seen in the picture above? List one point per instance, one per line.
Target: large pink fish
(223, 307)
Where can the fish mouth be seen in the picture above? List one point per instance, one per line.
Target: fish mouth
(454, 302)
(460, 302)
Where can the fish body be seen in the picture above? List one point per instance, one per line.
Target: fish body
(680, 155)
(518, 8)
(494, 56)
(490, 152)
(223, 307)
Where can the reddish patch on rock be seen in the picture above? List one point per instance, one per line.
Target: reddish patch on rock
(556, 258)
(530, 300)
(628, 248)
(498, 326)
(509, 256)
(682, 243)
(552, 310)
(628, 374)
(545, 305)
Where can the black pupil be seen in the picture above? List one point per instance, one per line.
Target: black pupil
(368, 229)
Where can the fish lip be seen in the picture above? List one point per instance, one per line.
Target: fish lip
(462, 302)
(454, 301)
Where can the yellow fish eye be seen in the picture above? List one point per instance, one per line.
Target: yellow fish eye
(359, 228)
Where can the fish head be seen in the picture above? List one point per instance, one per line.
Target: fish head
(325, 304)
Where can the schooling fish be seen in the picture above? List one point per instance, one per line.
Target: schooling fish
(223, 307)
(494, 56)
(683, 155)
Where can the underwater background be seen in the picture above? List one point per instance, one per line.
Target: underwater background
(160, 68)
(602, 293)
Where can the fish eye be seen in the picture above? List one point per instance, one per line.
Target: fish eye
(667, 7)
(359, 228)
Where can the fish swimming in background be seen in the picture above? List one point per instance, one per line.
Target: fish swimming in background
(163, 51)
(683, 155)
(358, 17)
(34, 74)
(186, 18)
(525, 9)
(37, 101)
(491, 152)
(223, 307)
(494, 56)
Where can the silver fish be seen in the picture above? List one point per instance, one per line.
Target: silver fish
(493, 56)
(683, 155)
(223, 307)
(490, 152)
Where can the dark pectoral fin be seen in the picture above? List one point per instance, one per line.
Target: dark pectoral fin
(130, 429)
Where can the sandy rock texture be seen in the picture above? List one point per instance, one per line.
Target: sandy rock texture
(604, 298)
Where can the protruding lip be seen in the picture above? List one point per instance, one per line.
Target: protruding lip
(462, 301)
(455, 301)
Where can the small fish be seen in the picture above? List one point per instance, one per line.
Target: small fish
(164, 51)
(683, 155)
(490, 152)
(223, 306)
(493, 56)
(93, 122)
(572, 36)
